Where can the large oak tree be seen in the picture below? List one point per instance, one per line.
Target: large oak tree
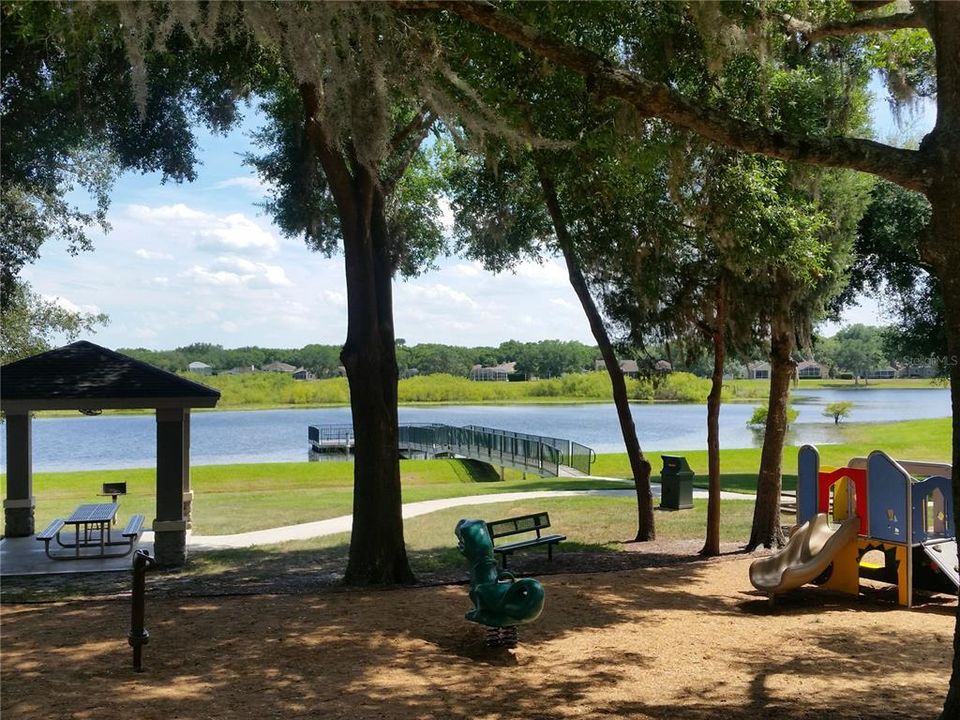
(933, 169)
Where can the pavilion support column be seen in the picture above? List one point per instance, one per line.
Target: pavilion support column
(173, 475)
(187, 492)
(19, 503)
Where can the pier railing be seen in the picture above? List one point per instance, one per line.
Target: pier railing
(520, 451)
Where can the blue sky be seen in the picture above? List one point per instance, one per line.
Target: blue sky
(200, 262)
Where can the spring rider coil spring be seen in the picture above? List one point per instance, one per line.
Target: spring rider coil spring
(500, 601)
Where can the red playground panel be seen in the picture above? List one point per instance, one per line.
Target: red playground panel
(858, 477)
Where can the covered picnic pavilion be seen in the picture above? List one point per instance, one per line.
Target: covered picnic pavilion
(89, 378)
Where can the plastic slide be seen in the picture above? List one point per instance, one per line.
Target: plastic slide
(809, 552)
(944, 554)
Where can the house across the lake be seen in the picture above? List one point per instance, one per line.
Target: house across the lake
(925, 370)
(631, 368)
(883, 373)
(280, 367)
(810, 369)
(302, 374)
(758, 370)
(494, 373)
(240, 370)
(200, 368)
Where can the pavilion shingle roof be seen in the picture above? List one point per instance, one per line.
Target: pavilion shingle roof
(82, 373)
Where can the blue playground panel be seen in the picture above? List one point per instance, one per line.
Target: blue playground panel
(808, 470)
(888, 487)
(924, 492)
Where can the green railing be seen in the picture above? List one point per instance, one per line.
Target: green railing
(530, 453)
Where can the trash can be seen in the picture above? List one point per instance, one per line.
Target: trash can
(676, 484)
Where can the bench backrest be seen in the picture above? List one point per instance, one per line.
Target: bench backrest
(517, 525)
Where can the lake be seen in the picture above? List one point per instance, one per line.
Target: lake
(250, 436)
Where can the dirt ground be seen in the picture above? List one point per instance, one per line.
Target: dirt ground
(685, 641)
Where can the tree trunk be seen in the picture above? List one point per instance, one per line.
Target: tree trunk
(941, 248)
(377, 550)
(639, 465)
(711, 546)
(766, 514)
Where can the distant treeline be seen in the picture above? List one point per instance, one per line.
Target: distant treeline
(277, 389)
(545, 359)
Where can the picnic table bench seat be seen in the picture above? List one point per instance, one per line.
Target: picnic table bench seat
(50, 533)
(534, 523)
(134, 526)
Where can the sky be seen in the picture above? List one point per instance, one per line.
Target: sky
(201, 262)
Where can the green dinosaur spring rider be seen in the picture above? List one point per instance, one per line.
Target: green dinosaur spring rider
(500, 601)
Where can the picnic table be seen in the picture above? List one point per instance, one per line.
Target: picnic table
(93, 528)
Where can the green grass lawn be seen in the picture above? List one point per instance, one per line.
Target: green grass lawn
(908, 440)
(241, 498)
(590, 523)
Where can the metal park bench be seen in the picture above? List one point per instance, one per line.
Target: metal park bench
(534, 523)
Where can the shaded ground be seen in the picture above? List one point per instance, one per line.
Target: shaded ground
(281, 570)
(688, 641)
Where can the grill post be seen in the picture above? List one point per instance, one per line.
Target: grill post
(139, 636)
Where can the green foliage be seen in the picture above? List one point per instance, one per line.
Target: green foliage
(272, 389)
(70, 119)
(31, 323)
(907, 60)
(838, 410)
(858, 349)
(888, 266)
(759, 417)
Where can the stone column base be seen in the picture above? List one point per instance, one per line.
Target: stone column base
(170, 542)
(18, 521)
(188, 508)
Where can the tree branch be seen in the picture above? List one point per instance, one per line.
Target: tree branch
(338, 174)
(815, 33)
(652, 99)
(421, 125)
(415, 125)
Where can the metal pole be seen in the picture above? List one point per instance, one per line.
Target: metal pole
(138, 633)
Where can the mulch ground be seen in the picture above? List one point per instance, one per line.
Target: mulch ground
(688, 640)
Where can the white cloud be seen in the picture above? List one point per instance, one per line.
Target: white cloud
(222, 278)
(235, 272)
(337, 299)
(472, 270)
(165, 213)
(446, 215)
(550, 273)
(439, 293)
(71, 306)
(251, 183)
(145, 333)
(153, 255)
(236, 233)
(160, 280)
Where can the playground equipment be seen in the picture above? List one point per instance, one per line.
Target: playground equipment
(500, 601)
(895, 526)
(812, 549)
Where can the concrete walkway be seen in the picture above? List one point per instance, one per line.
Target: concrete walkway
(332, 526)
(25, 556)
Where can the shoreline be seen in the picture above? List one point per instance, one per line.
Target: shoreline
(796, 394)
